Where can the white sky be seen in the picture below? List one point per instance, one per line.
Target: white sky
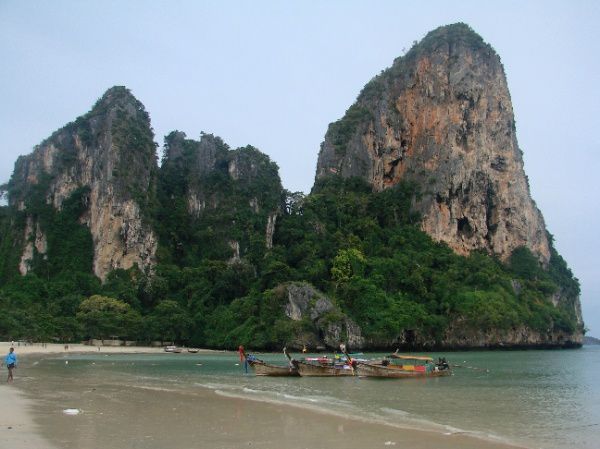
(275, 74)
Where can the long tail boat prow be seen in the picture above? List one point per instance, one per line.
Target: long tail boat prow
(266, 369)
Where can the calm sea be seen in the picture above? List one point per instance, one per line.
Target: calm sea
(540, 399)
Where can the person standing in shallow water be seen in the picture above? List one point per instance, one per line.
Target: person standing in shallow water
(243, 358)
(11, 363)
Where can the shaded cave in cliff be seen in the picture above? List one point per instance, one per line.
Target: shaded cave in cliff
(463, 227)
(410, 336)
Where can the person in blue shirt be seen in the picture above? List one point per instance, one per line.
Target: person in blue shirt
(11, 363)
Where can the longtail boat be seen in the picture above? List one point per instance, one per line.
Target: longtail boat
(262, 368)
(307, 369)
(266, 369)
(404, 366)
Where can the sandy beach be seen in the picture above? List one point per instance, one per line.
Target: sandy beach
(115, 416)
(54, 348)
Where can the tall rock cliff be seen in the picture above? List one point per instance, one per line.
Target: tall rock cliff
(109, 154)
(229, 199)
(442, 117)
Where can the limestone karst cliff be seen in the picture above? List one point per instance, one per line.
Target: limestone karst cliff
(226, 198)
(442, 117)
(111, 152)
(415, 184)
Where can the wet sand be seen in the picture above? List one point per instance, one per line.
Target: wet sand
(116, 416)
(152, 419)
(17, 427)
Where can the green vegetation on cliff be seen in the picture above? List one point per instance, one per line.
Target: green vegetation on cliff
(362, 249)
(231, 242)
(204, 211)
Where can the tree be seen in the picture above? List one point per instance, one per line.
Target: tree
(101, 316)
(348, 263)
(170, 321)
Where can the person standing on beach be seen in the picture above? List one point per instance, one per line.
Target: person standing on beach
(11, 363)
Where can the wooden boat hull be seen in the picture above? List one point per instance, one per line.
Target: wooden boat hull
(370, 370)
(264, 369)
(309, 369)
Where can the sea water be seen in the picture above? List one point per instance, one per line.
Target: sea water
(539, 399)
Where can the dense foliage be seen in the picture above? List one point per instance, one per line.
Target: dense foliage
(363, 249)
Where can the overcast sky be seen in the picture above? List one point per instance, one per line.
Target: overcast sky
(275, 74)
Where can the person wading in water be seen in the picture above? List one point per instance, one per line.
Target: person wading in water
(11, 363)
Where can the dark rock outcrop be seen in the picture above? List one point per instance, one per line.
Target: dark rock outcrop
(330, 326)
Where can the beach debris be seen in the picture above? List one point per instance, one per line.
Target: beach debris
(71, 411)
(390, 443)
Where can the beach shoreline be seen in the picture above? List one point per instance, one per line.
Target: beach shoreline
(200, 416)
(22, 349)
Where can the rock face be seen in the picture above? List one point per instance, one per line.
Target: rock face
(331, 326)
(109, 150)
(442, 117)
(237, 191)
(192, 162)
(459, 336)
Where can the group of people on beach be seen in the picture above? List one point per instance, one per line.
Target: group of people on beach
(11, 363)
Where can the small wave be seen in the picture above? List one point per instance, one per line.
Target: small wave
(216, 386)
(277, 395)
(250, 390)
(449, 430)
(152, 388)
(299, 398)
(414, 422)
(394, 411)
(280, 399)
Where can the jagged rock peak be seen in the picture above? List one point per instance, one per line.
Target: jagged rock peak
(119, 97)
(111, 152)
(441, 117)
(454, 34)
(215, 181)
(199, 162)
(200, 154)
